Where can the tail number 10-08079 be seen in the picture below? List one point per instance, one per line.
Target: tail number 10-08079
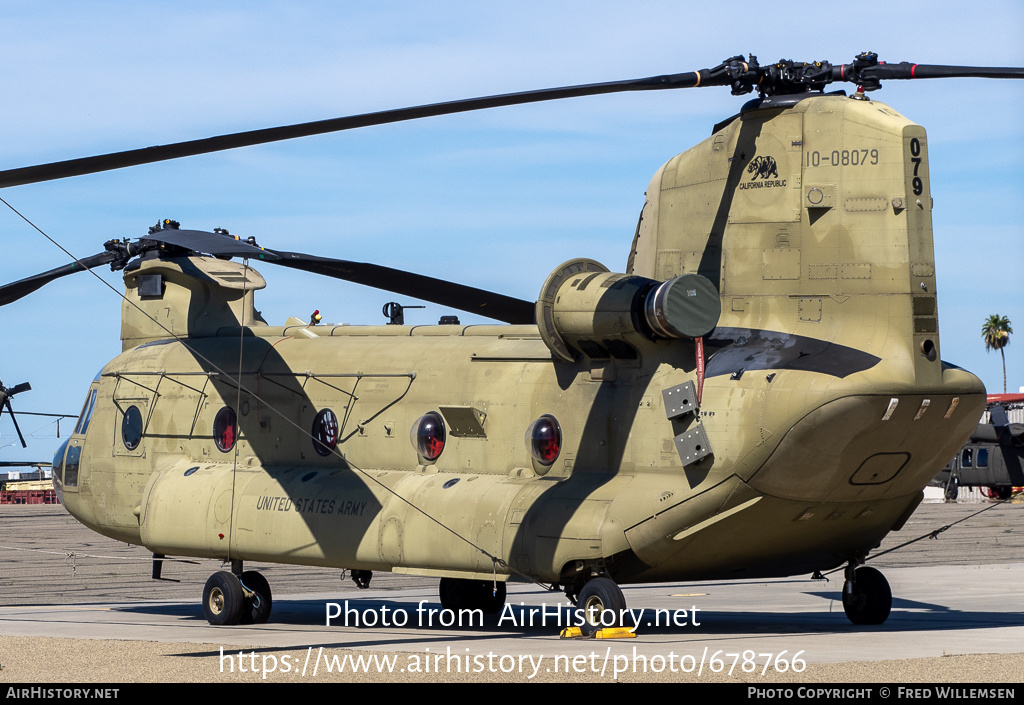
(844, 157)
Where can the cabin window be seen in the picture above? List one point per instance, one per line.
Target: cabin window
(225, 429)
(83, 419)
(544, 439)
(428, 436)
(131, 428)
(325, 432)
(982, 457)
(967, 458)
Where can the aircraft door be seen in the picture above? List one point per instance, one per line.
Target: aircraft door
(132, 408)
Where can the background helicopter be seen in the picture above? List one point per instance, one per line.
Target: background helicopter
(663, 157)
(991, 458)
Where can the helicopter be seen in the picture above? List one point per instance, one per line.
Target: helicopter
(759, 394)
(991, 458)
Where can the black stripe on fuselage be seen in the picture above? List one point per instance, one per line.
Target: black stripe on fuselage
(747, 349)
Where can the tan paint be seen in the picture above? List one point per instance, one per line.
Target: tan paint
(806, 220)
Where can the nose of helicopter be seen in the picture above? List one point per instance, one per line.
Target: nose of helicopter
(57, 474)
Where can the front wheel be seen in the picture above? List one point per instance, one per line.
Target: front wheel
(600, 604)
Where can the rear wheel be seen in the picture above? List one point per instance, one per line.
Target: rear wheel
(867, 599)
(460, 594)
(492, 597)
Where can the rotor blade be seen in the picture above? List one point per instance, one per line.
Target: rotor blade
(734, 71)
(211, 243)
(868, 72)
(148, 155)
(905, 70)
(15, 290)
(18, 389)
(438, 291)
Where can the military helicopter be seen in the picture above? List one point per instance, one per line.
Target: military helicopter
(992, 457)
(759, 394)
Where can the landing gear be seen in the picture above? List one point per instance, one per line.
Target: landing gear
(361, 578)
(952, 490)
(228, 599)
(223, 599)
(484, 595)
(257, 607)
(867, 598)
(600, 604)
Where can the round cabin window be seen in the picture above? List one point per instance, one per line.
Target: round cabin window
(544, 439)
(131, 428)
(225, 428)
(428, 436)
(325, 432)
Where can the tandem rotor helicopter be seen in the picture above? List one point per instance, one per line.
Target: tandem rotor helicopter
(759, 394)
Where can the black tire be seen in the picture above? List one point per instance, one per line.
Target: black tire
(868, 598)
(1002, 492)
(492, 596)
(223, 599)
(257, 608)
(597, 597)
(456, 594)
(460, 594)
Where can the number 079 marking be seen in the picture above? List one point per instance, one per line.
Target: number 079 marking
(917, 184)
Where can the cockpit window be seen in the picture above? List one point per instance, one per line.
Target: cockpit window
(982, 457)
(71, 466)
(58, 461)
(967, 458)
(86, 415)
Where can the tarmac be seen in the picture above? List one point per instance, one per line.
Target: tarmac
(76, 607)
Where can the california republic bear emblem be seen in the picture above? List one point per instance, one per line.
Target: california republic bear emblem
(763, 168)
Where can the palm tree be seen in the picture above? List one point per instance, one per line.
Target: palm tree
(996, 333)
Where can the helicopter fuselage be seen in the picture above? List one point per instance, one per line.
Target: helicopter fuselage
(812, 460)
(818, 413)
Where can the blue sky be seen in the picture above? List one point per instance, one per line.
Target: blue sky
(493, 199)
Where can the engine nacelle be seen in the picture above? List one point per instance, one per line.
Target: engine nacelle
(583, 307)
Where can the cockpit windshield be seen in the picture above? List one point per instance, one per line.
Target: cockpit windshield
(83, 419)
